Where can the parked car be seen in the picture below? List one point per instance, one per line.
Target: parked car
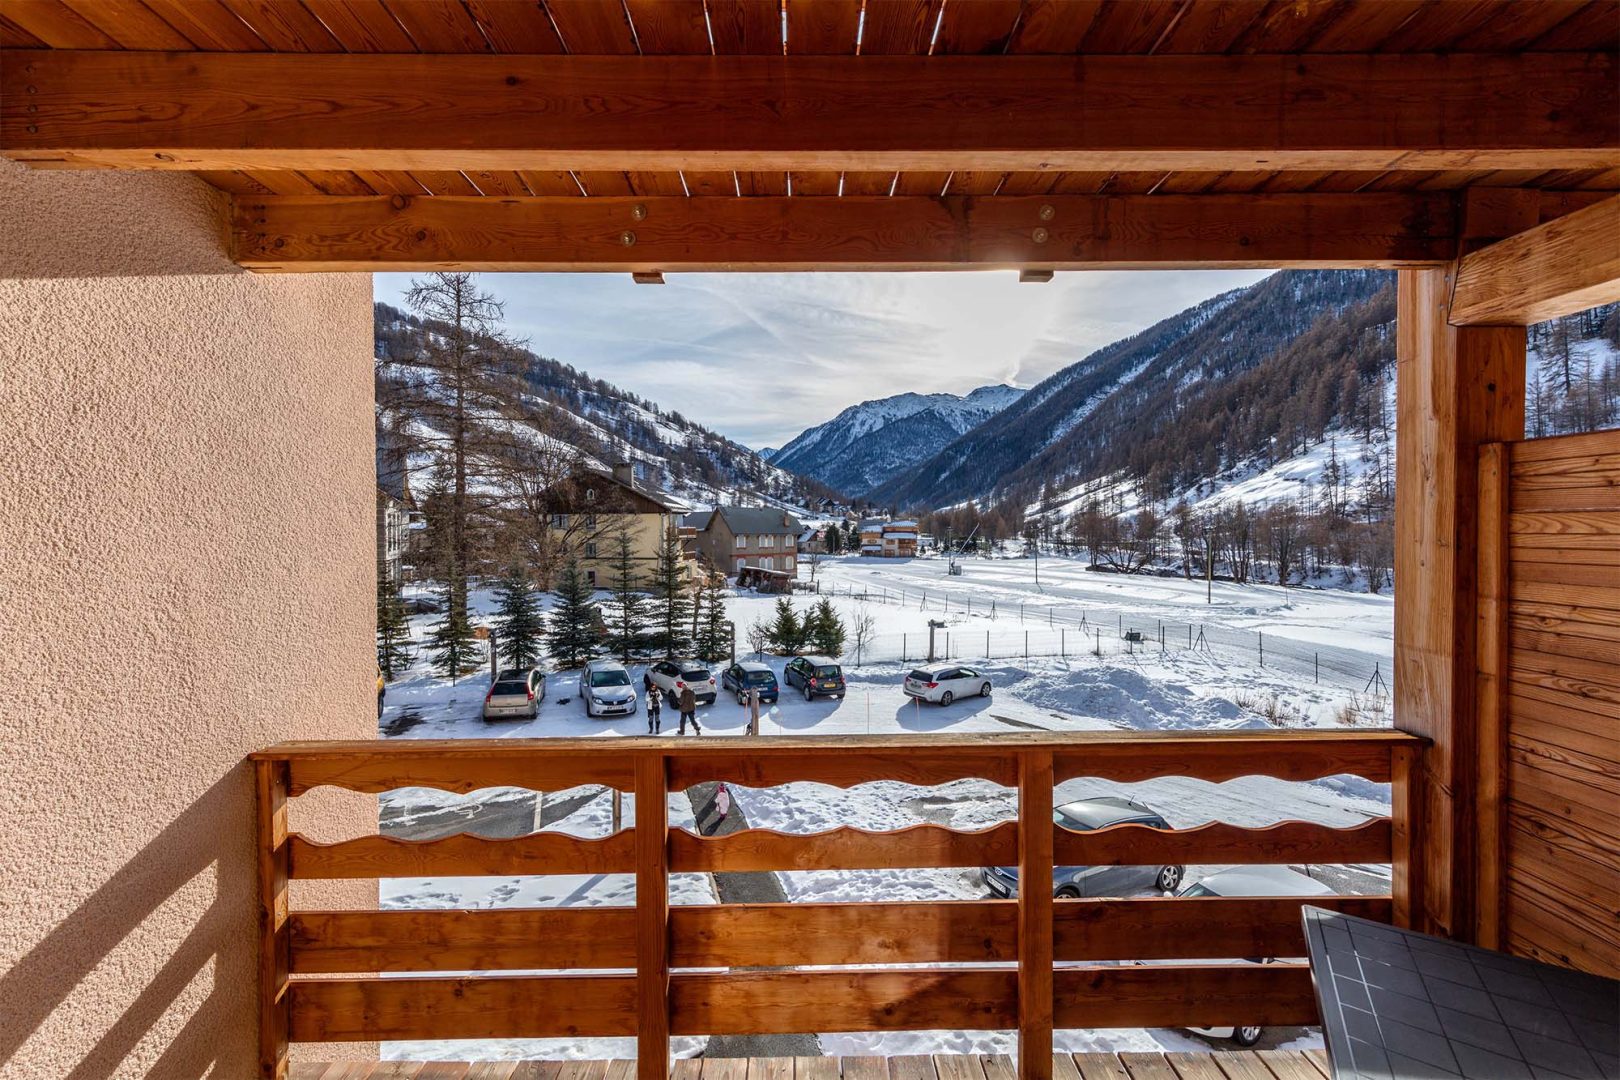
(533, 676)
(749, 675)
(945, 683)
(1068, 882)
(1253, 881)
(673, 676)
(510, 698)
(815, 676)
(606, 688)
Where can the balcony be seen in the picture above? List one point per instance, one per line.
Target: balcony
(652, 970)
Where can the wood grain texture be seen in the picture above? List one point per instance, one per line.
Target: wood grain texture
(330, 942)
(270, 784)
(1493, 478)
(1177, 928)
(510, 1006)
(198, 110)
(758, 1003)
(843, 849)
(1218, 842)
(462, 855)
(311, 233)
(1035, 862)
(901, 932)
(1566, 265)
(652, 1019)
(1184, 995)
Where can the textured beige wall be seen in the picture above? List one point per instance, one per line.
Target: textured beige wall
(186, 574)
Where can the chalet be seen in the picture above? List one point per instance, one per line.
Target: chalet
(395, 510)
(593, 509)
(813, 541)
(195, 197)
(732, 537)
(888, 539)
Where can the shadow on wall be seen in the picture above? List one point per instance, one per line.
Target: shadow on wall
(219, 948)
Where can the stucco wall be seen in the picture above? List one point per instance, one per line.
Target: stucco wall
(186, 574)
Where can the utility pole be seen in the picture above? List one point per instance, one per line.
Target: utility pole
(933, 624)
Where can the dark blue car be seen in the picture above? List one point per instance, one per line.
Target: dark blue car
(750, 675)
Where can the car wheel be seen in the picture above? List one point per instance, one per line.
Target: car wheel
(1068, 892)
(946, 698)
(1247, 1036)
(534, 713)
(808, 696)
(1169, 878)
(984, 691)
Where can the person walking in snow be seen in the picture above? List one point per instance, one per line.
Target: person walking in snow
(689, 711)
(655, 713)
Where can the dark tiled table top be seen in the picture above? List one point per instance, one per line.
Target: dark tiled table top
(1397, 1004)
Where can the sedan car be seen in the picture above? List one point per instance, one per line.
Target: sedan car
(748, 675)
(945, 683)
(815, 676)
(510, 698)
(1253, 881)
(605, 686)
(1069, 882)
(531, 675)
(673, 676)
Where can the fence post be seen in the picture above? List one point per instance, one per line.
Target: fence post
(1063, 644)
(275, 949)
(903, 649)
(1026, 644)
(1035, 1005)
(1099, 644)
(987, 644)
(652, 917)
(1262, 636)
(1406, 836)
(1318, 657)
(1020, 611)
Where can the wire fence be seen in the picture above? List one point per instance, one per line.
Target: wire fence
(1051, 630)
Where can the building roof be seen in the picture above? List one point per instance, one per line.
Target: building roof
(751, 519)
(639, 487)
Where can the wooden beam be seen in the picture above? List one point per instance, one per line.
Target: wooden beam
(270, 785)
(1566, 265)
(1035, 1002)
(652, 918)
(1097, 113)
(1455, 390)
(318, 233)
(1490, 700)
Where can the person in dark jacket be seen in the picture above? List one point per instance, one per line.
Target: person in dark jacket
(655, 713)
(689, 711)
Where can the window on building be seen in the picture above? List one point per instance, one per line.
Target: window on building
(767, 563)
(590, 578)
(590, 551)
(559, 521)
(767, 541)
(590, 494)
(590, 521)
(742, 541)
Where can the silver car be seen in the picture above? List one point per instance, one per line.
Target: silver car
(674, 676)
(605, 686)
(531, 675)
(1070, 882)
(945, 683)
(509, 699)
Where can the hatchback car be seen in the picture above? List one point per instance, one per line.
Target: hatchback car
(815, 676)
(748, 675)
(606, 688)
(1253, 881)
(674, 676)
(1069, 882)
(945, 683)
(531, 675)
(510, 698)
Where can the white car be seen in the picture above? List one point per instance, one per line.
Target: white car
(605, 685)
(1253, 881)
(511, 698)
(673, 676)
(945, 683)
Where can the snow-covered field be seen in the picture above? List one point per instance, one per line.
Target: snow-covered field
(1148, 689)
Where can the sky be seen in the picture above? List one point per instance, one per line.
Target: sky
(761, 357)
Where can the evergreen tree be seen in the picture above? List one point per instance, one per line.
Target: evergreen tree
(452, 648)
(573, 618)
(518, 623)
(835, 538)
(626, 629)
(825, 630)
(786, 632)
(672, 602)
(393, 631)
(713, 643)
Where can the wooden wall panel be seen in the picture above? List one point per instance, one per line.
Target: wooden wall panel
(1555, 749)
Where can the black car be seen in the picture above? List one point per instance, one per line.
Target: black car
(749, 675)
(815, 676)
(1084, 815)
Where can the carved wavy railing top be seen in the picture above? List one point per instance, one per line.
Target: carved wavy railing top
(461, 855)
(1218, 842)
(846, 848)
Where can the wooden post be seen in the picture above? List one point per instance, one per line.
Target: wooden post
(1406, 835)
(274, 942)
(652, 918)
(1035, 1004)
(1495, 460)
(1457, 387)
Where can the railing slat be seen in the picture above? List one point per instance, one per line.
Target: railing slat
(652, 918)
(1217, 843)
(270, 780)
(327, 942)
(1185, 995)
(844, 849)
(1220, 758)
(1192, 928)
(787, 1002)
(843, 768)
(462, 855)
(508, 1006)
(1035, 852)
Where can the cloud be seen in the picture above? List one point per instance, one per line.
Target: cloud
(761, 357)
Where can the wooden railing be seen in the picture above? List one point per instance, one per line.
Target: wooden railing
(1027, 964)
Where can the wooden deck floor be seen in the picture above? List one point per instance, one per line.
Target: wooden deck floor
(1244, 1065)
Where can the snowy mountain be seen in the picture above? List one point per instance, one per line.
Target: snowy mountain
(868, 444)
(549, 403)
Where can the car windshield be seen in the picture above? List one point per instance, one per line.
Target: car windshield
(759, 678)
(922, 676)
(504, 688)
(696, 674)
(827, 673)
(610, 678)
(1199, 890)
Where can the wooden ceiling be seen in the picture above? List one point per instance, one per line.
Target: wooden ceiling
(868, 28)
